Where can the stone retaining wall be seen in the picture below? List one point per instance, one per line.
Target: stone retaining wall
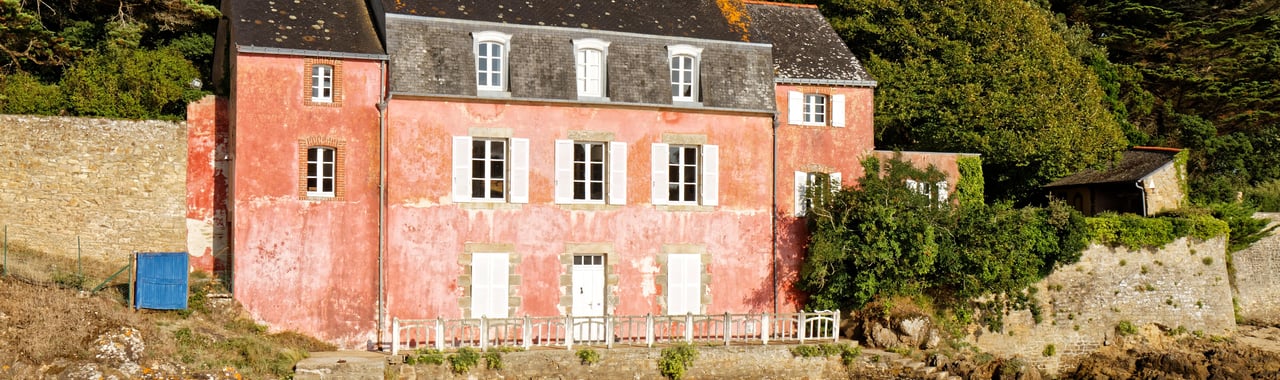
(1257, 283)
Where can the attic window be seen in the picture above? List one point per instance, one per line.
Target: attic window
(322, 83)
(491, 52)
(685, 61)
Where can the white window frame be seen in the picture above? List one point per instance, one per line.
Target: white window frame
(706, 169)
(492, 39)
(614, 176)
(317, 162)
(805, 181)
(799, 110)
(582, 49)
(694, 55)
(515, 176)
(939, 191)
(815, 109)
(322, 83)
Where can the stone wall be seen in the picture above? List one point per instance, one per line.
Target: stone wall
(1184, 284)
(1257, 285)
(119, 185)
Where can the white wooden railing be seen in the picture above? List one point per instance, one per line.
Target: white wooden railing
(640, 330)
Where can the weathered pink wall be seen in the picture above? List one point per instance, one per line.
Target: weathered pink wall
(207, 135)
(427, 231)
(801, 148)
(306, 265)
(944, 162)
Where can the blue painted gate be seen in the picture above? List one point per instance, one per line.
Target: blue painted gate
(162, 281)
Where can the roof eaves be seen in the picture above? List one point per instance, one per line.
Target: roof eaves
(827, 82)
(309, 53)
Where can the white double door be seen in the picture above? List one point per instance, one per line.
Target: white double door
(588, 297)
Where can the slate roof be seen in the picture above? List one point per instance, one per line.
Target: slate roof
(706, 19)
(1133, 166)
(341, 26)
(804, 44)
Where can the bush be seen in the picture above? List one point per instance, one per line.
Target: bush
(464, 360)
(429, 356)
(1126, 328)
(131, 83)
(1049, 350)
(493, 360)
(676, 360)
(21, 93)
(588, 356)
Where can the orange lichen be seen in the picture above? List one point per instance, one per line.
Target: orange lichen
(735, 12)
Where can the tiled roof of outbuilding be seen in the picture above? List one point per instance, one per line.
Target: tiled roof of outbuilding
(804, 44)
(340, 26)
(1134, 165)
(716, 20)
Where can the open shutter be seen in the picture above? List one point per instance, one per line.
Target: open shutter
(461, 168)
(658, 174)
(836, 182)
(944, 191)
(617, 173)
(802, 185)
(795, 107)
(710, 175)
(519, 170)
(564, 171)
(837, 110)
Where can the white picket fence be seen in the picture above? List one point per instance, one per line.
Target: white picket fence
(646, 330)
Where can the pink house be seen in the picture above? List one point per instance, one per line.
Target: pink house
(459, 159)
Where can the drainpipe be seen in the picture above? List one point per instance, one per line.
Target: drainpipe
(1142, 190)
(773, 220)
(382, 201)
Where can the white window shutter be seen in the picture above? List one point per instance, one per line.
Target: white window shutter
(618, 173)
(802, 186)
(944, 190)
(684, 284)
(499, 287)
(519, 171)
(564, 171)
(836, 182)
(461, 168)
(837, 110)
(710, 175)
(795, 107)
(658, 174)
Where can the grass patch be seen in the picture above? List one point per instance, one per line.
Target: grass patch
(1126, 328)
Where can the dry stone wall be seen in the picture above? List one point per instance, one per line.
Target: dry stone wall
(119, 185)
(1257, 281)
(1184, 284)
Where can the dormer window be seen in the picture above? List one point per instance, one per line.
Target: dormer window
(491, 50)
(590, 56)
(684, 61)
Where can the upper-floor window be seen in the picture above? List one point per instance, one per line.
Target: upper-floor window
(591, 172)
(490, 169)
(684, 61)
(322, 83)
(491, 50)
(321, 171)
(812, 188)
(815, 109)
(939, 191)
(686, 174)
(590, 56)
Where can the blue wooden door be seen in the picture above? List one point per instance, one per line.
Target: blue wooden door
(162, 281)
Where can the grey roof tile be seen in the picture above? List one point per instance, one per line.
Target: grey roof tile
(1135, 164)
(805, 46)
(341, 26)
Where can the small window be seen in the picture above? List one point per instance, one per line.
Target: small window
(684, 72)
(321, 172)
(491, 61)
(813, 188)
(590, 56)
(322, 83)
(488, 169)
(815, 109)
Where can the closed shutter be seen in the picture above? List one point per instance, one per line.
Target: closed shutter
(462, 168)
(564, 171)
(802, 186)
(944, 191)
(795, 107)
(710, 175)
(618, 173)
(490, 277)
(684, 284)
(658, 174)
(519, 171)
(837, 110)
(837, 183)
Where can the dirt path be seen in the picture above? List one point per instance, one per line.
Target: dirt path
(1262, 338)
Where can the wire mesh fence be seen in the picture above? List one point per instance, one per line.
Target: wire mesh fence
(72, 268)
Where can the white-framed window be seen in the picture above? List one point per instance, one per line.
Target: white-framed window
(684, 60)
(684, 284)
(806, 185)
(321, 171)
(815, 109)
(490, 285)
(591, 59)
(490, 169)
(591, 172)
(491, 52)
(322, 83)
(939, 191)
(685, 174)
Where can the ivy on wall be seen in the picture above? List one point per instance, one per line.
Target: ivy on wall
(969, 189)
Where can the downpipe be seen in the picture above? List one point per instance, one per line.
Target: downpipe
(382, 203)
(773, 213)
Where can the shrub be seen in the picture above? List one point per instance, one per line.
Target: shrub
(588, 356)
(464, 360)
(1049, 350)
(131, 83)
(849, 354)
(1125, 328)
(21, 93)
(429, 356)
(676, 360)
(493, 360)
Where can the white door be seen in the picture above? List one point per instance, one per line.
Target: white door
(684, 284)
(489, 283)
(588, 296)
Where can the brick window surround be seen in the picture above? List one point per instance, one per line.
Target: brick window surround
(308, 65)
(340, 168)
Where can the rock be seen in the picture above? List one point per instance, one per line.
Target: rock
(914, 327)
(120, 348)
(933, 340)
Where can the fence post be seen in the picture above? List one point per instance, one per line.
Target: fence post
(648, 330)
(800, 326)
(528, 332)
(568, 331)
(764, 328)
(688, 328)
(395, 336)
(4, 269)
(836, 329)
(484, 332)
(728, 328)
(608, 330)
(79, 266)
(439, 334)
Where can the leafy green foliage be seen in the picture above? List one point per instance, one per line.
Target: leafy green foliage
(135, 84)
(493, 360)
(428, 356)
(676, 360)
(464, 360)
(970, 188)
(588, 356)
(845, 351)
(21, 93)
(1125, 328)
